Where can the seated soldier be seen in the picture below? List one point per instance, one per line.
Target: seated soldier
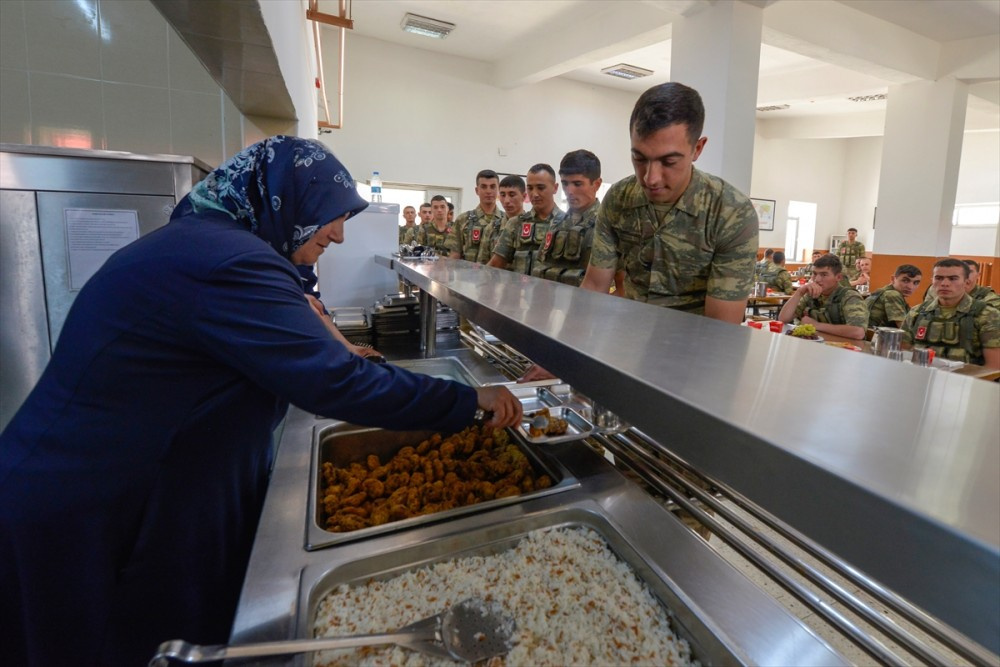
(953, 324)
(859, 275)
(830, 307)
(887, 306)
(763, 264)
(807, 270)
(977, 291)
(776, 276)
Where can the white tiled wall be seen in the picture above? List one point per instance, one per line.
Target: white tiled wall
(108, 74)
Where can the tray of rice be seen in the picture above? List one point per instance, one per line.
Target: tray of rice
(369, 481)
(578, 592)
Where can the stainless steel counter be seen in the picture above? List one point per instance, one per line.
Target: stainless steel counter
(743, 621)
(894, 468)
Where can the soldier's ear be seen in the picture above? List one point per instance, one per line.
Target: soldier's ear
(699, 147)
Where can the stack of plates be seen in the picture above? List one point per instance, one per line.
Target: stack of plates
(353, 323)
(396, 314)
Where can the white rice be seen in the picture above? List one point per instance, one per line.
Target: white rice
(574, 601)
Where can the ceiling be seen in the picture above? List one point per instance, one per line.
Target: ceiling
(813, 70)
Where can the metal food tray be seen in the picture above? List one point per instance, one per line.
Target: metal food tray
(535, 398)
(577, 427)
(318, 580)
(342, 444)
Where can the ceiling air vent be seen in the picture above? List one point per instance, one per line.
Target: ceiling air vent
(774, 107)
(428, 27)
(623, 71)
(868, 98)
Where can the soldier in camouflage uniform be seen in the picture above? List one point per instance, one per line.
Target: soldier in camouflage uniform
(953, 324)
(827, 305)
(887, 306)
(859, 275)
(435, 233)
(565, 255)
(850, 250)
(512, 199)
(977, 291)
(763, 265)
(472, 228)
(687, 240)
(776, 276)
(521, 238)
(807, 270)
(407, 233)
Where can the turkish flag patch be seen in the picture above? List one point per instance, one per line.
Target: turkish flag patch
(921, 333)
(476, 233)
(548, 240)
(526, 229)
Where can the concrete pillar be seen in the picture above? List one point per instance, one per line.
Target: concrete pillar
(717, 52)
(924, 125)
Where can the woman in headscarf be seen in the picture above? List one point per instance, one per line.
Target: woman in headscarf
(132, 478)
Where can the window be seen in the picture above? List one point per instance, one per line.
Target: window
(976, 215)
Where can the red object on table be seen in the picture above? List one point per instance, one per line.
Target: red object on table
(776, 327)
(755, 325)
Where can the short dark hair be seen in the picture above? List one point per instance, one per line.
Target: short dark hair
(513, 181)
(769, 252)
(488, 174)
(818, 252)
(972, 264)
(908, 270)
(451, 207)
(665, 105)
(438, 198)
(951, 262)
(829, 262)
(852, 229)
(581, 162)
(540, 167)
(779, 257)
(426, 204)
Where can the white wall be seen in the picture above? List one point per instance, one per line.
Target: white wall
(420, 117)
(292, 37)
(978, 183)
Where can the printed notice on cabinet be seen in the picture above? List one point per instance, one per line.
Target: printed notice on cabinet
(93, 235)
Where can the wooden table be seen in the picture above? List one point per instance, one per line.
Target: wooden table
(972, 370)
(773, 302)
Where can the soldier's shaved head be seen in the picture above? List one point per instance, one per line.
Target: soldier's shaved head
(668, 104)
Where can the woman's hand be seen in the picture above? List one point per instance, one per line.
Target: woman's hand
(534, 373)
(504, 405)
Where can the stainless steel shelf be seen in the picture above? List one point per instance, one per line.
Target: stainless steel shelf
(893, 468)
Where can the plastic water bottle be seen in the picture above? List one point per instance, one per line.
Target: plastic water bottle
(376, 187)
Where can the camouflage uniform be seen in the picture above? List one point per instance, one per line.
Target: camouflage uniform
(566, 252)
(843, 306)
(886, 306)
(777, 278)
(806, 271)
(985, 293)
(430, 236)
(849, 252)
(521, 238)
(706, 245)
(960, 333)
(407, 235)
(469, 231)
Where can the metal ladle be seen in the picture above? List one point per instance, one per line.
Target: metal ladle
(470, 631)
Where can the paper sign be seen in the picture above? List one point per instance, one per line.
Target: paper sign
(93, 235)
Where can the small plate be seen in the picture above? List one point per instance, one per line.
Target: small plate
(790, 327)
(577, 427)
(846, 346)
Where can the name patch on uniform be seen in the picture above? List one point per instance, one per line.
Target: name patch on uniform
(526, 230)
(921, 333)
(476, 233)
(548, 240)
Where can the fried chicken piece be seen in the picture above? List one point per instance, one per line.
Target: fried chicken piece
(355, 500)
(380, 515)
(373, 487)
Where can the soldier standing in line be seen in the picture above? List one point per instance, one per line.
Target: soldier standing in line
(827, 305)
(512, 200)
(849, 251)
(435, 232)
(408, 231)
(977, 291)
(470, 230)
(777, 276)
(687, 240)
(521, 237)
(953, 324)
(565, 254)
(887, 305)
(425, 213)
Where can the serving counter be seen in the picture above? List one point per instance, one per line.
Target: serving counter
(894, 469)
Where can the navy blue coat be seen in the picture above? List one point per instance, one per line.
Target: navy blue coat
(132, 478)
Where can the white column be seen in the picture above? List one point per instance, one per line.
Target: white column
(924, 125)
(717, 52)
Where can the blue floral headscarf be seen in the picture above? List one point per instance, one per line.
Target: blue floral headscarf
(283, 189)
